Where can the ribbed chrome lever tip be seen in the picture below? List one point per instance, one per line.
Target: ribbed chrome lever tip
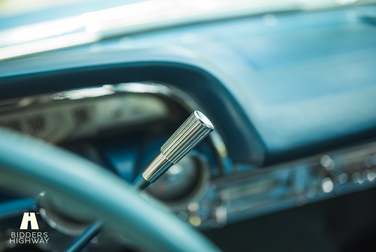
(203, 119)
(186, 137)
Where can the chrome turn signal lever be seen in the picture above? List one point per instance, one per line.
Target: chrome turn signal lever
(185, 138)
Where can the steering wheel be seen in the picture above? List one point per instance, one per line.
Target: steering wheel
(31, 166)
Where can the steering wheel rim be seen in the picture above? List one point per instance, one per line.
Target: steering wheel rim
(41, 166)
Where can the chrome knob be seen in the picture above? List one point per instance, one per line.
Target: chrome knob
(185, 138)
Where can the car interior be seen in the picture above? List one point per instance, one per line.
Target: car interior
(157, 125)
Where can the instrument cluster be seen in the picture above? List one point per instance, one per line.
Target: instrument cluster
(65, 116)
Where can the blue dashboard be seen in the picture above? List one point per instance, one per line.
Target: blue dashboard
(293, 84)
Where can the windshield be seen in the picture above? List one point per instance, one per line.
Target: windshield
(15, 13)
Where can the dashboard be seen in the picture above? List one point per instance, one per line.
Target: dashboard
(291, 94)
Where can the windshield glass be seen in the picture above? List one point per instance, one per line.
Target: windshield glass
(15, 13)
(17, 7)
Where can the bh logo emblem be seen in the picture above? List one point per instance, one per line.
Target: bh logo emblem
(29, 217)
